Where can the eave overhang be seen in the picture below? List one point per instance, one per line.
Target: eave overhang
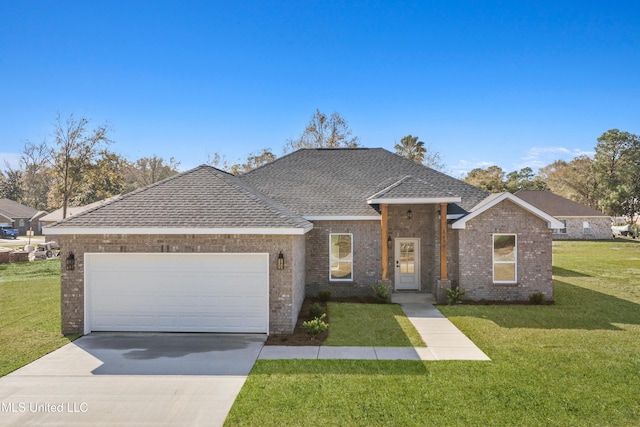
(414, 200)
(56, 231)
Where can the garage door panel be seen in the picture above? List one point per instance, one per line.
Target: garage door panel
(177, 292)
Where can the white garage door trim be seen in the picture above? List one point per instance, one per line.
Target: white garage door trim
(177, 292)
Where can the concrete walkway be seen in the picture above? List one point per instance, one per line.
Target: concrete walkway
(444, 341)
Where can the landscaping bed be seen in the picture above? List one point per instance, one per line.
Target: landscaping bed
(299, 337)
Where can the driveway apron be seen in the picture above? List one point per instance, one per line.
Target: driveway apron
(131, 379)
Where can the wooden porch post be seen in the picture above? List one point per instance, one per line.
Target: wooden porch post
(383, 237)
(443, 241)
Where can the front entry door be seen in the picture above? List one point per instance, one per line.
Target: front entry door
(407, 264)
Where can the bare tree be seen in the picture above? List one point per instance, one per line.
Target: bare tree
(325, 132)
(73, 153)
(36, 179)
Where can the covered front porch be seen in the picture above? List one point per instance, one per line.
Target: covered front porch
(416, 253)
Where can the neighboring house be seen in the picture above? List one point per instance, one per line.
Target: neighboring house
(21, 217)
(56, 215)
(578, 221)
(207, 251)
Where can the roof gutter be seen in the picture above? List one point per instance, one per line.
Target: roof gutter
(67, 231)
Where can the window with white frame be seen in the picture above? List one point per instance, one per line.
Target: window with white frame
(505, 258)
(586, 227)
(340, 257)
(562, 230)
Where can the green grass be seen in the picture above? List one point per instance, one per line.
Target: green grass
(576, 363)
(381, 325)
(29, 312)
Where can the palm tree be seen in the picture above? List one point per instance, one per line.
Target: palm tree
(411, 148)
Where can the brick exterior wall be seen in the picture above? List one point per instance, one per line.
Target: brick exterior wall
(600, 228)
(367, 266)
(534, 255)
(367, 252)
(423, 225)
(286, 291)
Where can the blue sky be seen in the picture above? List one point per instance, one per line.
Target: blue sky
(482, 82)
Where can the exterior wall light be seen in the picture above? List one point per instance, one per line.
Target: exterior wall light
(71, 261)
(389, 241)
(409, 214)
(280, 261)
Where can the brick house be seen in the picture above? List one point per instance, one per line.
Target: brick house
(21, 217)
(578, 221)
(208, 251)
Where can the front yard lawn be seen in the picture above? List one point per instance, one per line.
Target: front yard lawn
(29, 312)
(370, 325)
(576, 363)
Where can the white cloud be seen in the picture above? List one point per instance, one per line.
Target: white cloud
(538, 157)
(463, 167)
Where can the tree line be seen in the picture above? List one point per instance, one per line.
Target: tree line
(608, 182)
(77, 166)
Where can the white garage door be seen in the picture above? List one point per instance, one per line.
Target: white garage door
(177, 292)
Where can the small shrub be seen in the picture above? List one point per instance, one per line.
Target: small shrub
(315, 310)
(324, 295)
(315, 327)
(455, 294)
(536, 298)
(381, 293)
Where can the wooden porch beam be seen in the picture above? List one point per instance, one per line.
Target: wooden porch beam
(443, 242)
(383, 237)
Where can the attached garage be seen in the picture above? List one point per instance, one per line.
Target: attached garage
(198, 252)
(177, 292)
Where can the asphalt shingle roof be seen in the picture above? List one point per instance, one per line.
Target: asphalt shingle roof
(338, 182)
(556, 205)
(203, 197)
(12, 209)
(410, 187)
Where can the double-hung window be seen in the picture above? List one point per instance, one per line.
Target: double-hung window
(586, 227)
(341, 257)
(505, 258)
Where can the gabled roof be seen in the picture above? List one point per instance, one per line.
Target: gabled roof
(495, 198)
(318, 183)
(4, 218)
(203, 200)
(556, 205)
(14, 210)
(412, 190)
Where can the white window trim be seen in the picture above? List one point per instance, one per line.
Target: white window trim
(494, 262)
(562, 230)
(586, 227)
(331, 279)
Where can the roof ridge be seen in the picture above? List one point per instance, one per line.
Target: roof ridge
(269, 203)
(390, 187)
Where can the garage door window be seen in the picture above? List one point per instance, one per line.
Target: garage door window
(341, 257)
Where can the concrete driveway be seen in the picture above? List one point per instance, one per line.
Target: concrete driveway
(127, 378)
